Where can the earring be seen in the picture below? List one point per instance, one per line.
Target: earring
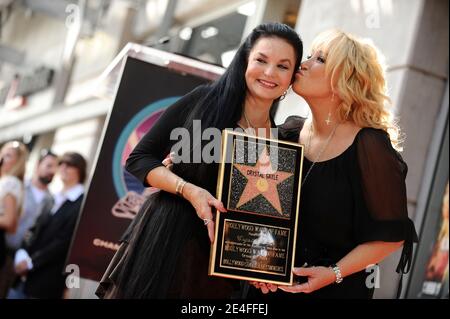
(283, 96)
(328, 120)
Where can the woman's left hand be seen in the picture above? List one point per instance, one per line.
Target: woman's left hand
(318, 277)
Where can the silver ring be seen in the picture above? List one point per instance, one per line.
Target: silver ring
(206, 221)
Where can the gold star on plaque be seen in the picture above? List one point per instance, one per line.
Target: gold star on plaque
(262, 179)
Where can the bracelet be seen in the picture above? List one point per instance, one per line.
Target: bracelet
(337, 272)
(179, 187)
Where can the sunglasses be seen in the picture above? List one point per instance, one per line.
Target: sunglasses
(67, 163)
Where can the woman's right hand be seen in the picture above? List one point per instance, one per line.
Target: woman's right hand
(202, 201)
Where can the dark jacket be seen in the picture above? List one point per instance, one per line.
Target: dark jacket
(48, 247)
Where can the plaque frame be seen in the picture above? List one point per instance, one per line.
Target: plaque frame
(230, 226)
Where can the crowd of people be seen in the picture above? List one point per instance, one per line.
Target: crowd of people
(36, 226)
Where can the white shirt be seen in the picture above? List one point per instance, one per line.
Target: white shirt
(71, 194)
(22, 255)
(38, 194)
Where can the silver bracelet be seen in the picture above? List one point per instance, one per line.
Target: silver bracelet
(337, 272)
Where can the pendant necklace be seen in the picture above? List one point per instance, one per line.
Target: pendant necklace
(321, 150)
(251, 127)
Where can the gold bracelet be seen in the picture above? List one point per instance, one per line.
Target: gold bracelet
(182, 188)
(179, 187)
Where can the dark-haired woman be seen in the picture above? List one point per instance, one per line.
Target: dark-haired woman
(167, 253)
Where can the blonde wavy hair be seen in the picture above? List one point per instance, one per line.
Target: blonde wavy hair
(18, 169)
(357, 73)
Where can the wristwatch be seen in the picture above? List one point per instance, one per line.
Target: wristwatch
(337, 272)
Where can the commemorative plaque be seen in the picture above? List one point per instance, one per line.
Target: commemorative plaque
(259, 185)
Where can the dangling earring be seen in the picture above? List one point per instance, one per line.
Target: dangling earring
(328, 120)
(283, 95)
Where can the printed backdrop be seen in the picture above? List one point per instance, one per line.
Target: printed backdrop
(114, 196)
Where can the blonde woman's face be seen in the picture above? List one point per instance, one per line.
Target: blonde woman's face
(270, 68)
(311, 81)
(10, 158)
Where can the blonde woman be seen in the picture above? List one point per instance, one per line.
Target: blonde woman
(353, 208)
(13, 156)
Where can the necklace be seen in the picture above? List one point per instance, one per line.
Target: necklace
(251, 126)
(320, 151)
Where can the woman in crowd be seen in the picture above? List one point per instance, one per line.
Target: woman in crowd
(13, 156)
(167, 253)
(353, 208)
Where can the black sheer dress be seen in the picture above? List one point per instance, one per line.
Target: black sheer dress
(356, 197)
(165, 251)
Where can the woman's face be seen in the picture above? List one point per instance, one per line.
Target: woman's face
(311, 81)
(10, 157)
(270, 68)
